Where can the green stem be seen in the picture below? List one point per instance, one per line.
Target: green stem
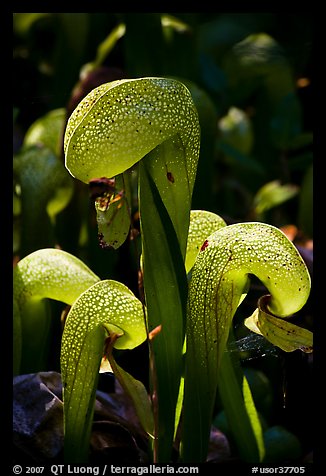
(165, 289)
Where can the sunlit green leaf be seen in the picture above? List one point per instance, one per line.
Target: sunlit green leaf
(202, 224)
(240, 409)
(169, 21)
(219, 277)
(108, 307)
(113, 214)
(43, 274)
(146, 111)
(138, 393)
(120, 122)
(279, 332)
(109, 43)
(165, 288)
(51, 273)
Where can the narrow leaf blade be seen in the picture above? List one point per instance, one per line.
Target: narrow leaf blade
(165, 288)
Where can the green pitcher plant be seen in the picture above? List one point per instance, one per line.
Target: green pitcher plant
(195, 273)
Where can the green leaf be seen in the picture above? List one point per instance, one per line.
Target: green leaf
(51, 273)
(235, 141)
(202, 224)
(167, 165)
(118, 123)
(48, 131)
(254, 420)
(109, 43)
(79, 377)
(240, 409)
(279, 332)
(138, 393)
(272, 194)
(165, 287)
(174, 23)
(219, 278)
(46, 189)
(113, 214)
(235, 129)
(35, 317)
(106, 308)
(44, 274)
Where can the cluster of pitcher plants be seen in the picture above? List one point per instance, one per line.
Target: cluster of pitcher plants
(194, 271)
